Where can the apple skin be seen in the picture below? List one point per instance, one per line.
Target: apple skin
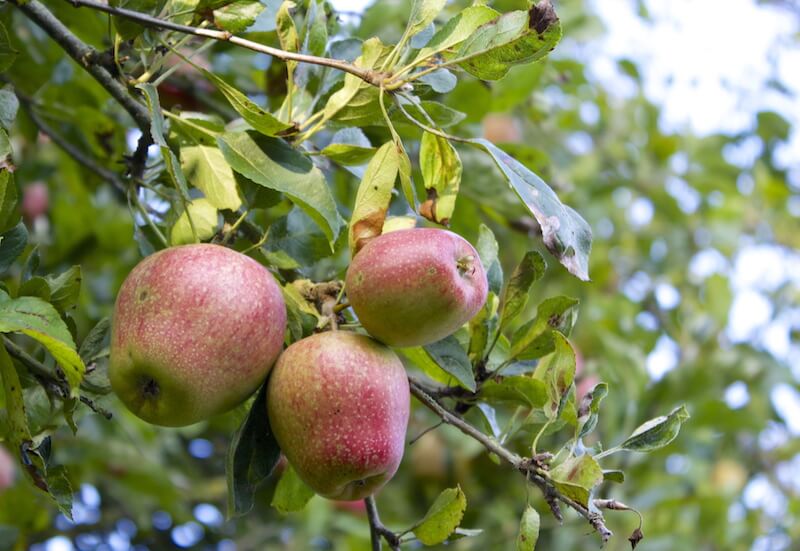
(8, 469)
(417, 286)
(195, 330)
(338, 404)
(501, 128)
(35, 201)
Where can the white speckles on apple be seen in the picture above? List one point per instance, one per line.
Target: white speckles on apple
(408, 288)
(212, 324)
(338, 403)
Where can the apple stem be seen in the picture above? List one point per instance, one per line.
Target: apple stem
(466, 264)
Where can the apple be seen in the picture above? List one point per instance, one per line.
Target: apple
(338, 405)
(417, 286)
(35, 201)
(8, 469)
(195, 330)
(501, 128)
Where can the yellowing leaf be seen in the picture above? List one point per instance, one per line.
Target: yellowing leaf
(441, 172)
(291, 494)
(442, 518)
(528, 530)
(373, 196)
(207, 170)
(204, 217)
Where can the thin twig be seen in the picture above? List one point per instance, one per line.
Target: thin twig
(45, 375)
(377, 529)
(79, 156)
(224, 36)
(530, 467)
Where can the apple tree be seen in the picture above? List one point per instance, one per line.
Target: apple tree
(298, 135)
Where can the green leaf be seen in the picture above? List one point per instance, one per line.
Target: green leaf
(126, 28)
(395, 223)
(18, 432)
(487, 250)
(456, 30)
(348, 154)
(9, 105)
(157, 132)
(656, 433)
(423, 12)
(452, 358)
(291, 494)
(535, 338)
(614, 476)
(513, 38)
(12, 243)
(238, 16)
(516, 389)
(316, 40)
(207, 170)
(287, 32)
(557, 372)
(274, 164)
(576, 477)
(257, 117)
(357, 101)
(204, 217)
(441, 81)
(442, 518)
(95, 341)
(6, 161)
(303, 318)
(441, 173)
(565, 233)
(252, 455)
(589, 408)
(427, 111)
(60, 489)
(373, 196)
(65, 288)
(515, 295)
(528, 530)
(40, 321)
(404, 170)
(7, 53)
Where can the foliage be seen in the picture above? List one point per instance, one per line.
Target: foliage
(296, 160)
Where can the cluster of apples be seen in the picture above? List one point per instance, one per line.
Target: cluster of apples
(197, 329)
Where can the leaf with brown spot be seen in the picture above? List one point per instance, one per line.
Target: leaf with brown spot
(441, 172)
(510, 39)
(565, 233)
(557, 372)
(373, 196)
(528, 530)
(576, 477)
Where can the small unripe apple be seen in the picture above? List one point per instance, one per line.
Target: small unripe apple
(338, 405)
(35, 201)
(195, 330)
(417, 286)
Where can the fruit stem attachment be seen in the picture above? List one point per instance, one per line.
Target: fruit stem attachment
(466, 264)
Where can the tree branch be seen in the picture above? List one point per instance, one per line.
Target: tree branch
(71, 150)
(378, 530)
(530, 467)
(367, 75)
(86, 56)
(47, 377)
